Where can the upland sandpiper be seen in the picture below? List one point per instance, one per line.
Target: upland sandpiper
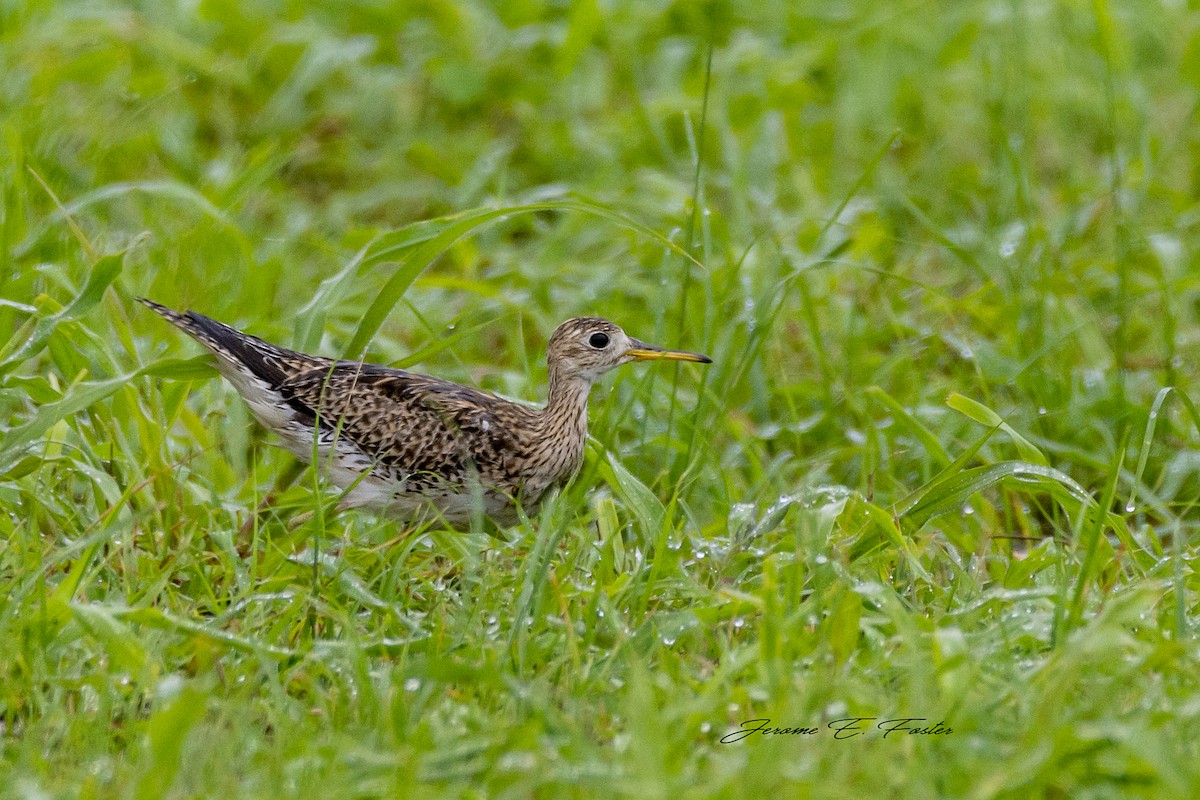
(417, 445)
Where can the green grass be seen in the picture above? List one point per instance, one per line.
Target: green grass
(945, 464)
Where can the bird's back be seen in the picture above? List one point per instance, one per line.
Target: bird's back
(415, 426)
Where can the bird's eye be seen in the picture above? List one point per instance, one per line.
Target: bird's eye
(598, 340)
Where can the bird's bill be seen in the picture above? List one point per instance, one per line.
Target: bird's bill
(650, 352)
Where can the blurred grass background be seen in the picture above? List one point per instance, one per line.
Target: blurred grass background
(944, 466)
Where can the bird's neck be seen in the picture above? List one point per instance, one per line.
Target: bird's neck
(566, 407)
(562, 432)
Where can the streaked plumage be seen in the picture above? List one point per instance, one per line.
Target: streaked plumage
(425, 444)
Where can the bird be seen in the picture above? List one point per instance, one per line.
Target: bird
(416, 446)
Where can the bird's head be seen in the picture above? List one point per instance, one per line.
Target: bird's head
(585, 348)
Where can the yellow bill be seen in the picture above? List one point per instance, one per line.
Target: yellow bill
(640, 351)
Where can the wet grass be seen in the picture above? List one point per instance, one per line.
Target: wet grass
(944, 466)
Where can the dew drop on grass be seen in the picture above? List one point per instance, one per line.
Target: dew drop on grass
(748, 305)
(739, 622)
(412, 684)
(101, 768)
(1011, 239)
(741, 518)
(821, 558)
(668, 640)
(168, 687)
(705, 727)
(600, 613)
(968, 510)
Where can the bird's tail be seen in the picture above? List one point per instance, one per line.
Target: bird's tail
(241, 351)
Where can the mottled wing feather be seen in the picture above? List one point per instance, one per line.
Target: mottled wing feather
(409, 423)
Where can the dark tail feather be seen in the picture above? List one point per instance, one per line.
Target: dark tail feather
(266, 361)
(180, 320)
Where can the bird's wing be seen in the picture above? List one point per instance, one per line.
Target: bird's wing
(410, 422)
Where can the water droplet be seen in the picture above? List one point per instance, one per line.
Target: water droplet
(739, 622)
(836, 709)
(705, 727)
(169, 686)
(412, 684)
(820, 558)
(741, 518)
(1012, 238)
(668, 640)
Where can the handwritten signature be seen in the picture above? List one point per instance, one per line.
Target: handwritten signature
(846, 728)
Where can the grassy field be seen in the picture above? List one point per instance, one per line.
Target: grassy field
(944, 468)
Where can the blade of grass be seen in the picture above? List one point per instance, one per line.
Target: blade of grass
(985, 416)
